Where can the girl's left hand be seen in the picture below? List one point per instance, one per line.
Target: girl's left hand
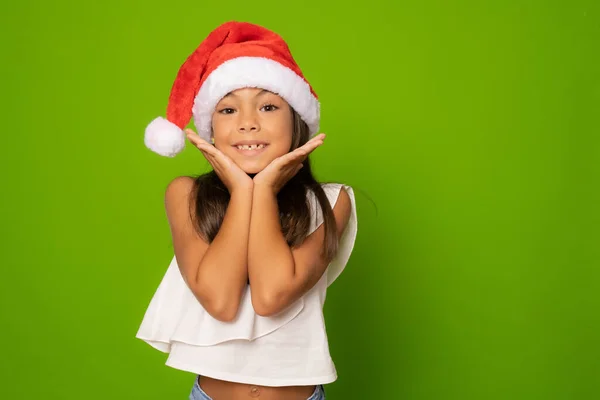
(282, 169)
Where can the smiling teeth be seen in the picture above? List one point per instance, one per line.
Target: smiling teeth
(251, 147)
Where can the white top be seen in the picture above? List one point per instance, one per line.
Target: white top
(287, 349)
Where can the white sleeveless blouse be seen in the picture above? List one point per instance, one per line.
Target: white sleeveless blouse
(290, 348)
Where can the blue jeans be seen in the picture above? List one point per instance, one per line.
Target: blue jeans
(199, 394)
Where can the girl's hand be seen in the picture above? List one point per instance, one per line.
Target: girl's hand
(282, 169)
(230, 174)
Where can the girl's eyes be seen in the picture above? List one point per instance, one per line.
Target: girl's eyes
(269, 107)
(266, 107)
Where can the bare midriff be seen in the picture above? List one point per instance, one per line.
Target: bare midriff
(224, 390)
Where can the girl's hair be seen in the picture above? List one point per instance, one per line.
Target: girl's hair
(212, 197)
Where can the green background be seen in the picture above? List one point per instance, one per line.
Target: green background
(469, 131)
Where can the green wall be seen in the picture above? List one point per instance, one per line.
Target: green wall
(469, 131)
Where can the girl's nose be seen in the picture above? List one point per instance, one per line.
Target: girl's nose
(247, 124)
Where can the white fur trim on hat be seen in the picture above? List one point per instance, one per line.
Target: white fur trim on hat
(257, 72)
(164, 137)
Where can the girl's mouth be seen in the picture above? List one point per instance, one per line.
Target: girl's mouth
(251, 149)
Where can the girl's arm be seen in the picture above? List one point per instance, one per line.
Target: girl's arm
(278, 274)
(217, 272)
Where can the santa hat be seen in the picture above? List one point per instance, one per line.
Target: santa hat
(235, 55)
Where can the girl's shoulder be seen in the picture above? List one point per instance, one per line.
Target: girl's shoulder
(177, 189)
(333, 190)
(338, 194)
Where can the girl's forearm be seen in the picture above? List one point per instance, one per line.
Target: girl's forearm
(223, 271)
(270, 260)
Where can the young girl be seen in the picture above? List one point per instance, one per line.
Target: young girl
(257, 240)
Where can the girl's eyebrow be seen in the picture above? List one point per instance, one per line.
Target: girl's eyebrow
(262, 92)
(258, 94)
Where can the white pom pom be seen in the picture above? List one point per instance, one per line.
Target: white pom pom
(164, 137)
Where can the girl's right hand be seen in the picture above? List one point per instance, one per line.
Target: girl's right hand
(230, 174)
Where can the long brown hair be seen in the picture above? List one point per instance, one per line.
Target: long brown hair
(212, 197)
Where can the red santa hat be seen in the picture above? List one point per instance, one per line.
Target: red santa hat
(235, 55)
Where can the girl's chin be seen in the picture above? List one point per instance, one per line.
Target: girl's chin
(252, 168)
(251, 171)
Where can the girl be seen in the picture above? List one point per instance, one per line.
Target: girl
(257, 240)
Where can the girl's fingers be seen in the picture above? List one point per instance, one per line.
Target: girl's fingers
(295, 156)
(192, 136)
(320, 136)
(217, 159)
(190, 133)
(209, 157)
(302, 152)
(207, 154)
(314, 142)
(195, 139)
(208, 150)
(202, 145)
(317, 139)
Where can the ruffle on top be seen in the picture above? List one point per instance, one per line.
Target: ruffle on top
(175, 315)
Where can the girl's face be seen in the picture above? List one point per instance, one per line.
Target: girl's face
(252, 127)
